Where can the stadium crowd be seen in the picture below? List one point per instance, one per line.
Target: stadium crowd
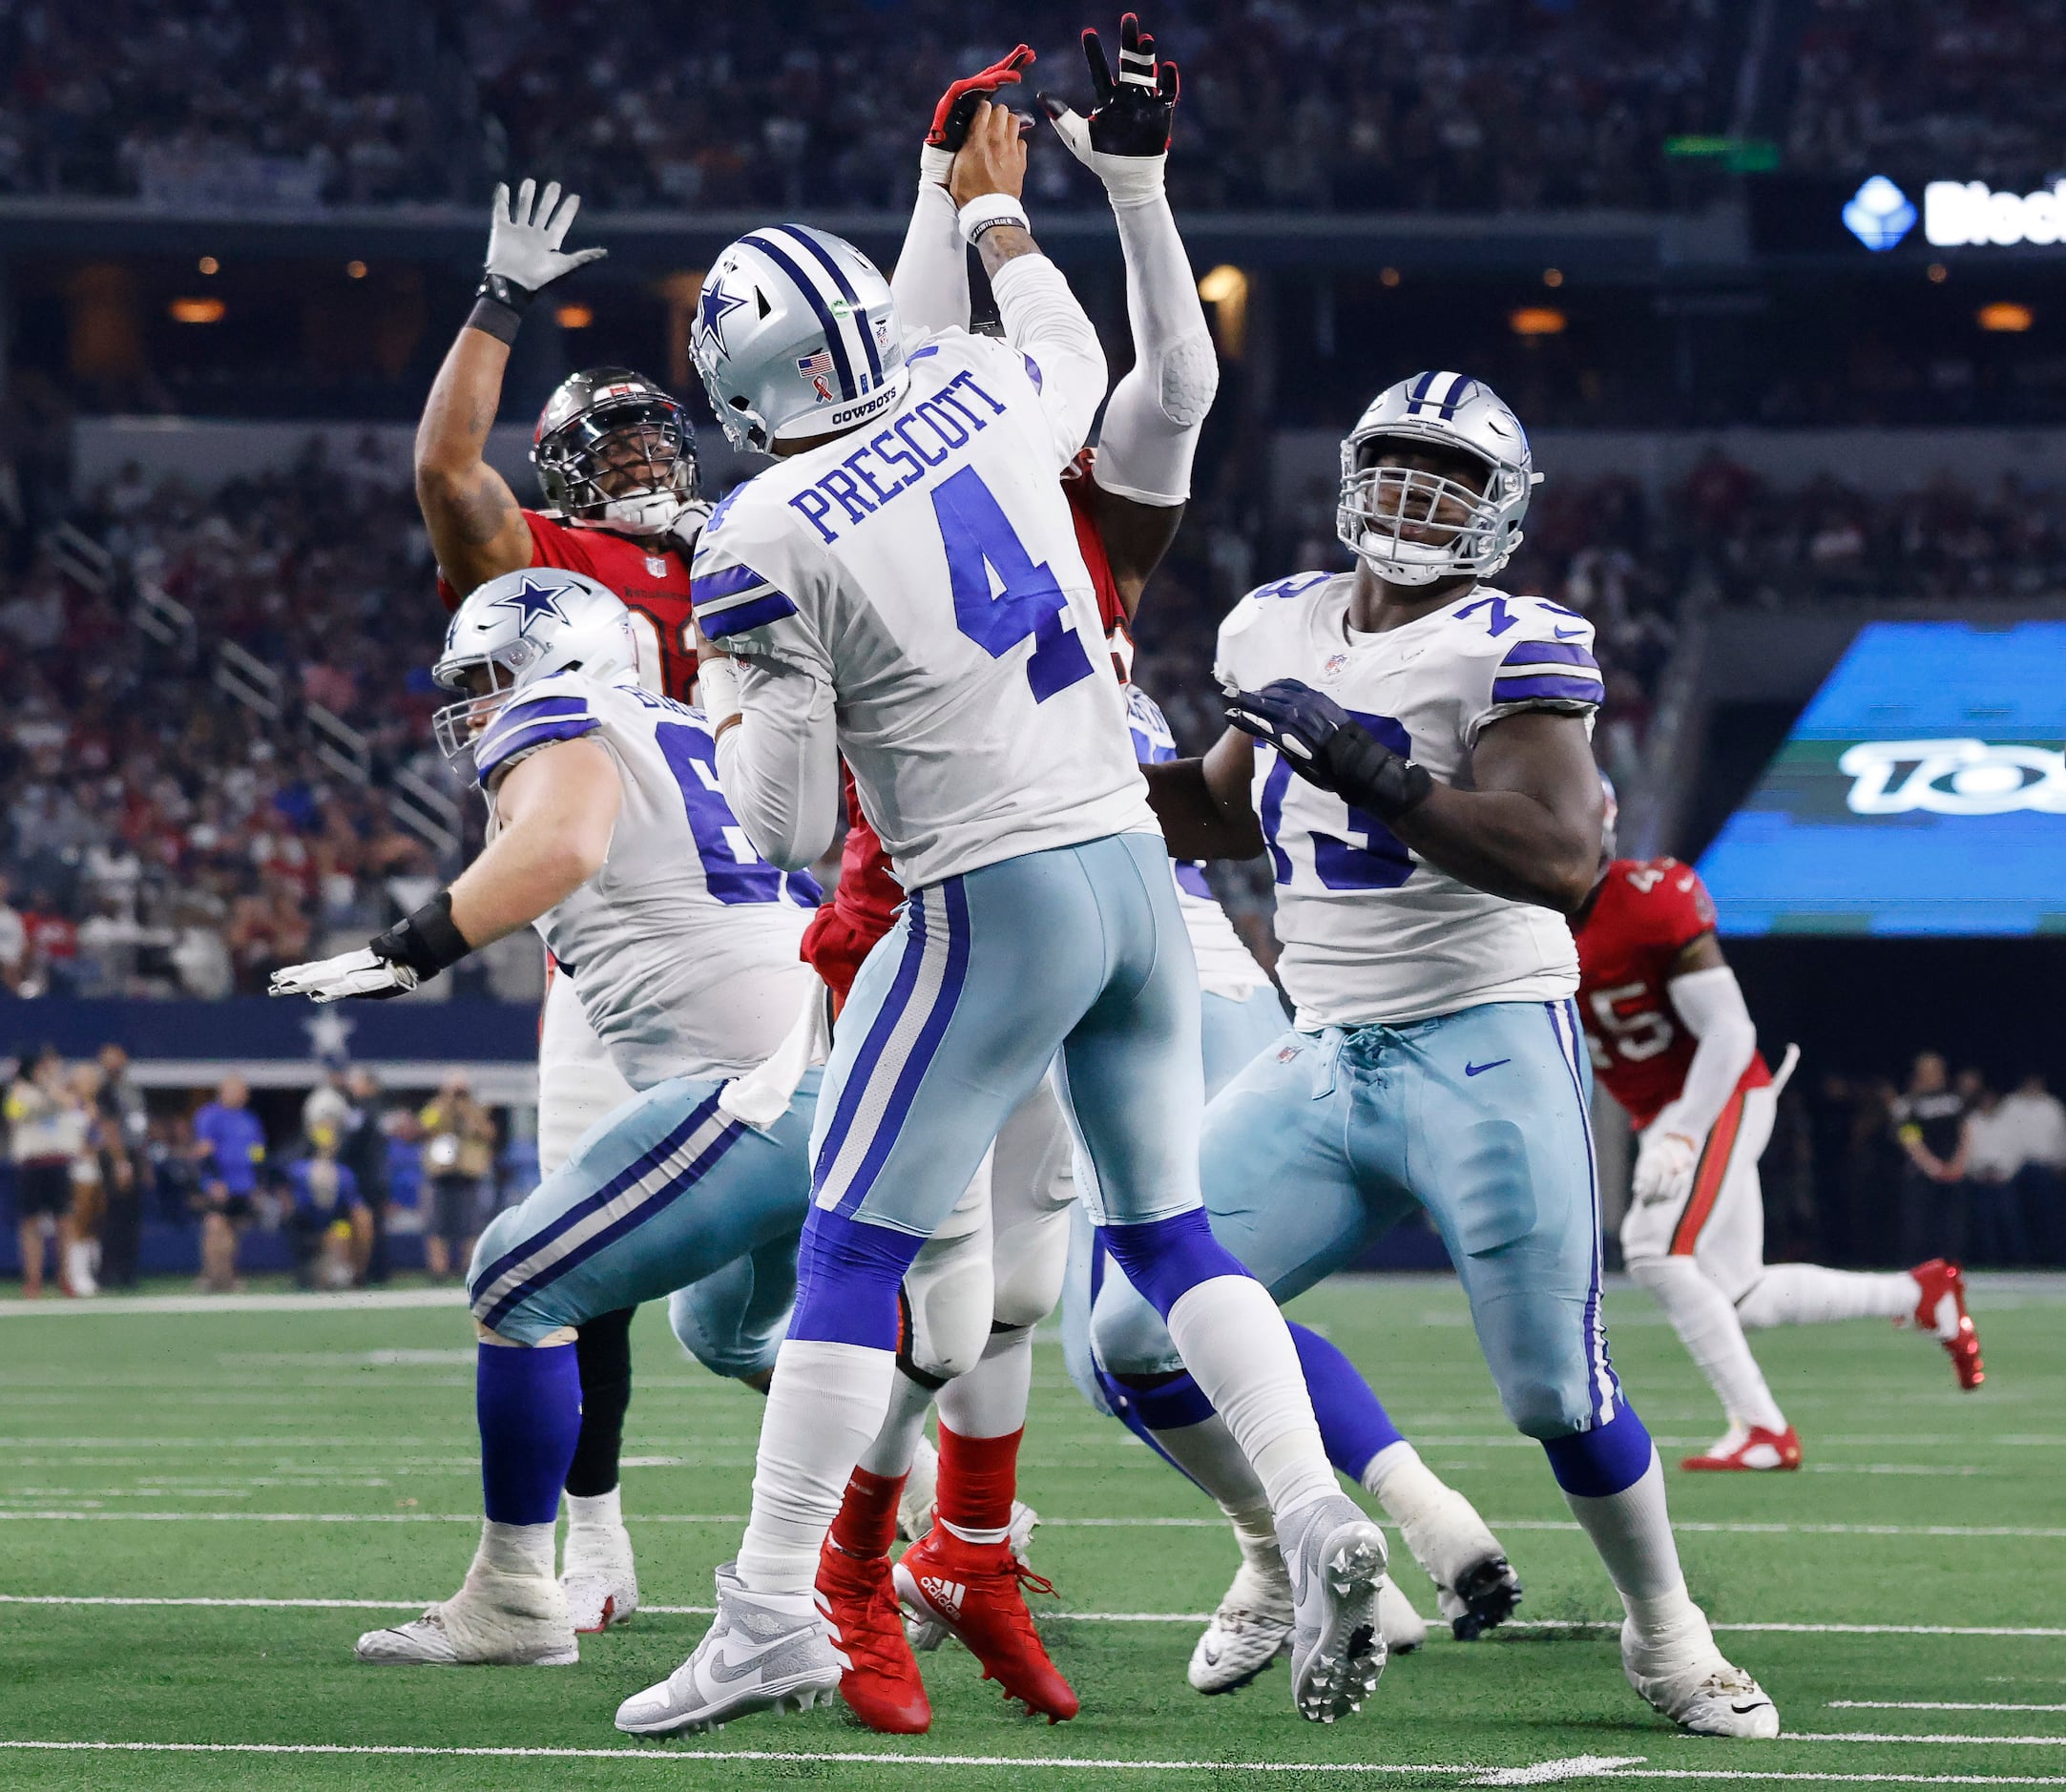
(1385, 105)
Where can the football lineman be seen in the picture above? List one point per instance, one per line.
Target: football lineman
(610, 834)
(905, 587)
(1411, 748)
(1672, 1039)
(617, 462)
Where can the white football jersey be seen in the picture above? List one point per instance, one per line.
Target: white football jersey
(684, 946)
(1226, 967)
(1372, 931)
(929, 571)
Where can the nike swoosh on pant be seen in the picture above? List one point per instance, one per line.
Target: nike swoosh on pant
(1472, 1069)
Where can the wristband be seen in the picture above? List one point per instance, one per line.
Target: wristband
(935, 165)
(986, 211)
(500, 304)
(426, 942)
(718, 686)
(1369, 775)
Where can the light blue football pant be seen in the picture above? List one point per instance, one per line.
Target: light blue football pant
(1326, 1141)
(666, 1195)
(1232, 1034)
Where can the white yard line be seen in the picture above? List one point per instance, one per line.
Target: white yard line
(1929, 1704)
(371, 1300)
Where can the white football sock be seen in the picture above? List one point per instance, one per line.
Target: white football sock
(595, 1512)
(1207, 1452)
(991, 1400)
(893, 1449)
(1632, 1532)
(1238, 1350)
(525, 1550)
(1708, 1325)
(1403, 1484)
(1806, 1294)
(824, 1404)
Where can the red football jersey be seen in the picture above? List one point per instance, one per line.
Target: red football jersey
(652, 580)
(864, 907)
(1646, 913)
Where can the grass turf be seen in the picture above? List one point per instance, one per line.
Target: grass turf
(364, 1416)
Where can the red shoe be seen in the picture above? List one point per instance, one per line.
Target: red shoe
(1757, 1452)
(880, 1682)
(973, 1589)
(1941, 1308)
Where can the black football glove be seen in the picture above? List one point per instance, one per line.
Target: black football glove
(1126, 136)
(957, 107)
(1327, 746)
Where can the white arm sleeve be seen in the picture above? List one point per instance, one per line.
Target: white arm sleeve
(1044, 322)
(1711, 1004)
(932, 281)
(779, 766)
(1152, 424)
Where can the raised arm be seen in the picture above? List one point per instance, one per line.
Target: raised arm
(476, 528)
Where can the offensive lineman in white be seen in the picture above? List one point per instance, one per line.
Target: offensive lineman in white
(1425, 786)
(905, 587)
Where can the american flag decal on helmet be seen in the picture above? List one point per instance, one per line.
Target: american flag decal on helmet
(817, 368)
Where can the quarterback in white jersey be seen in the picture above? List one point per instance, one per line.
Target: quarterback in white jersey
(1410, 745)
(905, 585)
(610, 835)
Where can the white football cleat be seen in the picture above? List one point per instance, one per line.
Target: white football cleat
(1476, 1586)
(1695, 1686)
(600, 1577)
(494, 1619)
(1336, 1557)
(762, 1651)
(1403, 1629)
(1249, 1631)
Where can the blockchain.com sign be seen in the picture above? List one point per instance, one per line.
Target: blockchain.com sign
(1922, 791)
(1956, 215)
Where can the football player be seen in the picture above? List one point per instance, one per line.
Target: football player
(609, 833)
(905, 587)
(617, 462)
(1673, 1040)
(1412, 747)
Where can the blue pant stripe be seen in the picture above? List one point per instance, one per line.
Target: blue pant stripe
(878, 1039)
(1602, 1387)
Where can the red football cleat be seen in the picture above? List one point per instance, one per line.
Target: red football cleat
(1941, 1308)
(880, 1682)
(1757, 1452)
(973, 1589)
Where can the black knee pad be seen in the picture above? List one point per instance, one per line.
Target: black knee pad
(603, 1350)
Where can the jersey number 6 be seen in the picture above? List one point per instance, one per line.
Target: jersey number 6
(981, 546)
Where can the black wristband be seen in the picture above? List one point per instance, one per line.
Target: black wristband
(500, 304)
(426, 942)
(1368, 775)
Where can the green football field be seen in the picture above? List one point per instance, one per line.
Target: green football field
(200, 1507)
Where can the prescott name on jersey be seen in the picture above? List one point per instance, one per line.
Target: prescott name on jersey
(684, 946)
(1372, 932)
(1645, 913)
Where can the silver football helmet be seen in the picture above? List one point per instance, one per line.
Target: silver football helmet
(795, 335)
(518, 629)
(1416, 527)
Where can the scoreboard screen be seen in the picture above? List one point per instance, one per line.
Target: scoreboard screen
(1923, 791)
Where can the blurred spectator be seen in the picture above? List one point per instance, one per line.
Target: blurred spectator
(43, 1139)
(228, 1150)
(327, 1219)
(364, 1152)
(89, 1196)
(13, 943)
(122, 1140)
(1993, 1158)
(459, 1156)
(2035, 1121)
(1929, 1123)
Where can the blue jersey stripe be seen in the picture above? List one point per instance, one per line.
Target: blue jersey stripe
(502, 745)
(1548, 685)
(1540, 653)
(727, 582)
(744, 616)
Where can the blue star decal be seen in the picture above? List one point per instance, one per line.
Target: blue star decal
(717, 304)
(531, 600)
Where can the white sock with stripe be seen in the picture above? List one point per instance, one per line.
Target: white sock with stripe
(824, 1404)
(1806, 1294)
(1708, 1325)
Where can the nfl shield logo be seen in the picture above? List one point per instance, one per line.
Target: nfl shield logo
(657, 565)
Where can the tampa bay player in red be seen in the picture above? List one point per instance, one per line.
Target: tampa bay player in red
(1672, 1039)
(615, 457)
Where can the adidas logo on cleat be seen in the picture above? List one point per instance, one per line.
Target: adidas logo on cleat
(946, 1595)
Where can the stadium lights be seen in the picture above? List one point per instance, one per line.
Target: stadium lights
(1225, 288)
(354, 270)
(1553, 276)
(196, 310)
(2005, 316)
(574, 317)
(208, 264)
(1536, 320)
(1938, 273)
(1388, 277)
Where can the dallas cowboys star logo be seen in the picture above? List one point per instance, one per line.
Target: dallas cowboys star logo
(715, 306)
(531, 600)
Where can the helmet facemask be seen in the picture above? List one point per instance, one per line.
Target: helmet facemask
(629, 467)
(488, 680)
(1417, 525)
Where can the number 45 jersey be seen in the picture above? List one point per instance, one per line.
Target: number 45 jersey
(928, 570)
(1370, 931)
(684, 946)
(1645, 913)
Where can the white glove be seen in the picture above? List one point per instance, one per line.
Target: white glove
(1664, 1166)
(362, 973)
(1128, 179)
(523, 241)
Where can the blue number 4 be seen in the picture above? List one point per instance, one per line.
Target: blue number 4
(733, 872)
(1378, 860)
(982, 547)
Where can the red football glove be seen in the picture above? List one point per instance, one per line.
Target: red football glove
(957, 105)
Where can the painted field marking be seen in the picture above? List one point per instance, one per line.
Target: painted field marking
(1929, 1704)
(1954, 1741)
(1474, 1773)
